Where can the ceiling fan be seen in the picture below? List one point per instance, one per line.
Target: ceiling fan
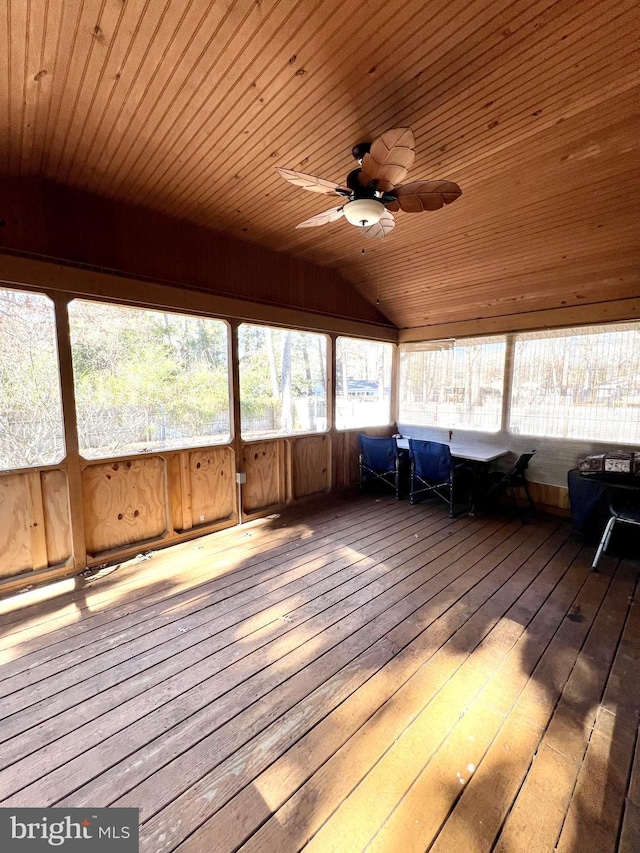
(374, 190)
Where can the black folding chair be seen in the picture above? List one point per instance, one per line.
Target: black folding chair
(509, 481)
(433, 472)
(623, 514)
(379, 462)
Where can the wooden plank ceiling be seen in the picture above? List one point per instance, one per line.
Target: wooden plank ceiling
(187, 107)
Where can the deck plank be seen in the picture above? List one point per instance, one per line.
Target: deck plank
(260, 688)
(177, 672)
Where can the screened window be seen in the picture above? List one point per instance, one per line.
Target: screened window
(578, 383)
(31, 428)
(453, 383)
(283, 381)
(363, 383)
(147, 380)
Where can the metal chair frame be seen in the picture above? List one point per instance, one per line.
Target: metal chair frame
(515, 478)
(369, 472)
(422, 487)
(625, 514)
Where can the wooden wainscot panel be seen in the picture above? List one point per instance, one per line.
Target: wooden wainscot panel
(15, 530)
(263, 463)
(310, 465)
(211, 475)
(124, 503)
(179, 503)
(345, 459)
(550, 497)
(55, 499)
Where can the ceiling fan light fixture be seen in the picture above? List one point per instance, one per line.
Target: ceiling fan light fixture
(363, 211)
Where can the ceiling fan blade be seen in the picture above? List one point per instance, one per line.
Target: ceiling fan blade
(389, 159)
(426, 195)
(323, 218)
(308, 182)
(381, 229)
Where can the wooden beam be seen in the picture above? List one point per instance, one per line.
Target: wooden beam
(48, 276)
(553, 318)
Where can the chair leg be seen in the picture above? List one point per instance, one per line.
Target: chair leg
(532, 506)
(514, 499)
(604, 543)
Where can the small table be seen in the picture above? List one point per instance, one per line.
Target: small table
(479, 454)
(470, 451)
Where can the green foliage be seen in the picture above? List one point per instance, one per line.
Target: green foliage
(148, 378)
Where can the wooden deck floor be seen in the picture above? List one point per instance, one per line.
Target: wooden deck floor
(354, 675)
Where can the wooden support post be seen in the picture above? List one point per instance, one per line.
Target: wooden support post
(395, 386)
(331, 408)
(234, 379)
(507, 383)
(73, 459)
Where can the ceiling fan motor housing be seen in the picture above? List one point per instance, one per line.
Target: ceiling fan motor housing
(357, 189)
(360, 150)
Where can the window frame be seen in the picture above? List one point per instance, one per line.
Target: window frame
(61, 457)
(563, 332)
(160, 309)
(449, 344)
(392, 380)
(328, 386)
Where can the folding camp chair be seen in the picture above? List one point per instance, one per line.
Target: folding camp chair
(379, 462)
(433, 472)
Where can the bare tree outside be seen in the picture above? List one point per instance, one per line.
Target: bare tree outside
(147, 380)
(363, 383)
(578, 383)
(283, 381)
(31, 429)
(453, 384)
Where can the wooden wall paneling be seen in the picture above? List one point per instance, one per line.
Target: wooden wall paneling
(174, 490)
(124, 503)
(36, 521)
(70, 281)
(55, 497)
(212, 480)
(185, 491)
(15, 530)
(286, 450)
(554, 497)
(263, 463)
(342, 474)
(310, 465)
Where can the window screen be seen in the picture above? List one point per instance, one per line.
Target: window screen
(363, 383)
(578, 383)
(31, 428)
(283, 381)
(147, 380)
(453, 383)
